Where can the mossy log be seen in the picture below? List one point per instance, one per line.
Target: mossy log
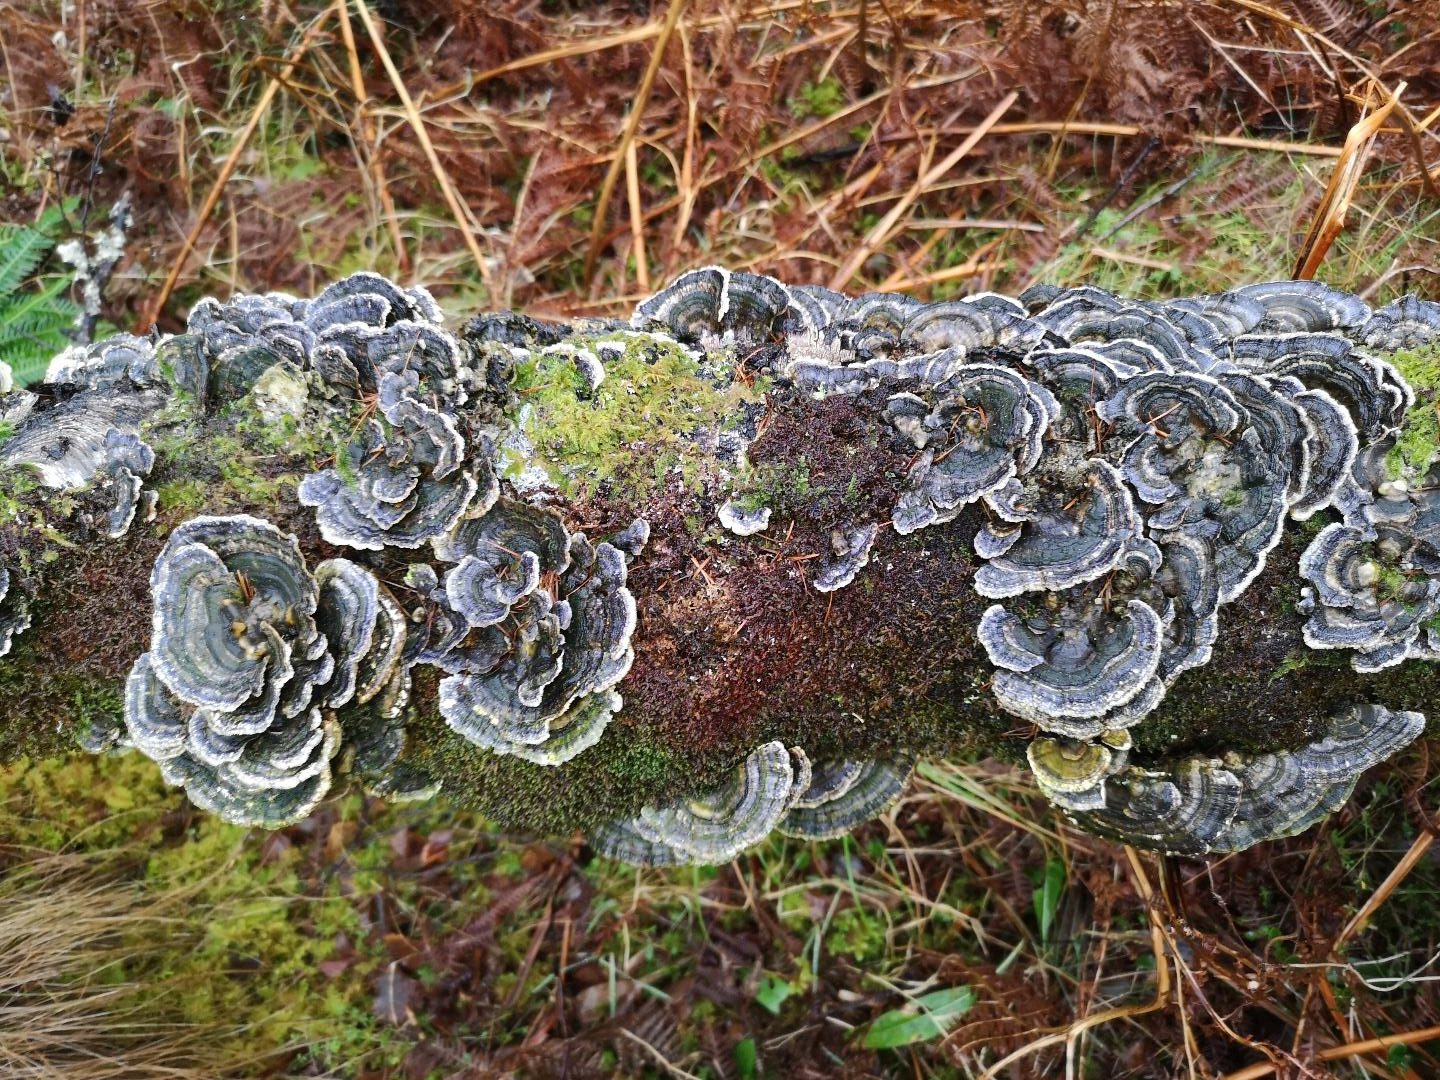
(733, 645)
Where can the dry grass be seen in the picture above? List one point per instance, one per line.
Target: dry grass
(70, 927)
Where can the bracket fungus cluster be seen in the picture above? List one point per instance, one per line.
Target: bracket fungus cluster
(775, 789)
(1135, 464)
(538, 630)
(90, 423)
(232, 697)
(1199, 805)
(430, 578)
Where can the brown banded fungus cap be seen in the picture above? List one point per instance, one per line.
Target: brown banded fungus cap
(1074, 526)
(1368, 387)
(1066, 670)
(1072, 772)
(1183, 810)
(1331, 446)
(850, 552)
(715, 826)
(967, 325)
(370, 690)
(1206, 804)
(127, 461)
(1135, 332)
(122, 362)
(773, 789)
(1229, 314)
(1407, 323)
(743, 520)
(1304, 306)
(1286, 793)
(713, 304)
(350, 334)
(233, 697)
(1214, 456)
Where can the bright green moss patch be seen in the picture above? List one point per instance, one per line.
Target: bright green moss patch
(1419, 443)
(15, 485)
(180, 495)
(238, 459)
(1421, 367)
(635, 429)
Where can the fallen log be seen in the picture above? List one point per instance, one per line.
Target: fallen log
(733, 564)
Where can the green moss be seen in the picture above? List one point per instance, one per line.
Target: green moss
(1419, 442)
(627, 767)
(238, 465)
(15, 485)
(634, 430)
(823, 98)
(41, 714)
(784, 487)
(1392, 584)
(1296, 661)
(181, 495)
(1421, 367)
(858, 934)
(237, 460)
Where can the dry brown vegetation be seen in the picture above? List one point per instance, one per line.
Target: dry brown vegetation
(813, 141)
(69, 925)
(566, 157)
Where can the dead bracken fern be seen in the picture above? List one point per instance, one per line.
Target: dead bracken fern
(482, 145)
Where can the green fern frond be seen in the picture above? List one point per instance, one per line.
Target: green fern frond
(24, 247)
(32, 328)
(33, 322)
(22, 250)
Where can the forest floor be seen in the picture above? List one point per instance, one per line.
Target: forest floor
(567, 158)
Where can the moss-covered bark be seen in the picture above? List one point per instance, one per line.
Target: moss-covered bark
(734, 646)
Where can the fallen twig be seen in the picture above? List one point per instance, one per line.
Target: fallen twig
(417, 124)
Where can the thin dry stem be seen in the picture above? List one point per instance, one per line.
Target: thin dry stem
(878, 235)
(157, 304)
(417, 124)
(627, 136)
(1330, 217)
